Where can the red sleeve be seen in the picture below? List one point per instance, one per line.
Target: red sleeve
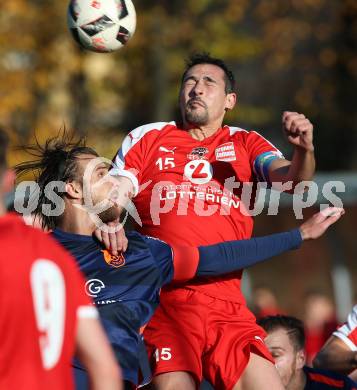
(185, 260)
(261, 154)
(256, 145)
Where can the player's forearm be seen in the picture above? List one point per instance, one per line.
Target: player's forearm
(302, 165)
(301, 168)
(232, 256)
(96, 355)
(343, 362)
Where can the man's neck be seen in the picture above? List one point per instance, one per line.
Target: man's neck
(199, 134)
(298, 382)
(77, 221)
(76, 227)
(202, 132)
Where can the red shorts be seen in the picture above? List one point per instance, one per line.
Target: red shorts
(204, 336)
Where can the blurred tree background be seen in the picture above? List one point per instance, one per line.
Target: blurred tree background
(296, 55)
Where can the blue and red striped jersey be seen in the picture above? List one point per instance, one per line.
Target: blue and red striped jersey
(327, 380)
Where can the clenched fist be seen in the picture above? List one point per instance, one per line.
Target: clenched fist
(298, 129)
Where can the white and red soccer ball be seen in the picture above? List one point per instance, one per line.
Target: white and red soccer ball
(101, 25)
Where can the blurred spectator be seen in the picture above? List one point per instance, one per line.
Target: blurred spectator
(286, 341)
(320, 321)
(265, 302)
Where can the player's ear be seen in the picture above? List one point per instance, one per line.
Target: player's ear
(73, 190)
(300, 359)
(231, 99)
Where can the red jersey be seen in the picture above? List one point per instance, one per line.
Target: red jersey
(189, 192)
(40, 300)
(348, 332)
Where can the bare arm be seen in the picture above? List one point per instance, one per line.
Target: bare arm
(335, 355)
(299, 132)
(96, 355)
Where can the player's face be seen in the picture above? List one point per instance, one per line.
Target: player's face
(284, 354)
(203, 100)
(99, 187)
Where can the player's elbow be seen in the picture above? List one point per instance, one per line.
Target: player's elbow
(318, 361)
(326, 361)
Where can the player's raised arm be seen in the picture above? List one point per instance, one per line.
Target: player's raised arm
(183, 263)
(299, 132)
(337, 356)
(233, 255)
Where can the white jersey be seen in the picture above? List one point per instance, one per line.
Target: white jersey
(348, 332)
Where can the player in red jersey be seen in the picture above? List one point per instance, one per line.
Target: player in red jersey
(44, 312)
(340, 351)
(187, 184)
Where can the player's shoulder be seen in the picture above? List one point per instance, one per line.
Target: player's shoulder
(148, 129)
(50, 247)
(235, 131)
(34, 242)
(253, 141)
(134, 235)
(139, 241)
(136, 241)
(37, 235)
(238, 132)
(14, 227)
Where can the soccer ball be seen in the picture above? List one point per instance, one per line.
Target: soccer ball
(101, 25)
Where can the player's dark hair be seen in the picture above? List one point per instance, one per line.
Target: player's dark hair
(205, 58)
(56, 160)
(4, 142)
(293, 326)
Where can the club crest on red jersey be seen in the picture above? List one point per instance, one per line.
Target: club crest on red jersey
(198, 153)
(114, 261)
(226, 152)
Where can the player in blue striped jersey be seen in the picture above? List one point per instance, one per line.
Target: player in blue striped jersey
(126, 288)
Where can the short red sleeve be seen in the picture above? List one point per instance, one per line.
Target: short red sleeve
(185, 259)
